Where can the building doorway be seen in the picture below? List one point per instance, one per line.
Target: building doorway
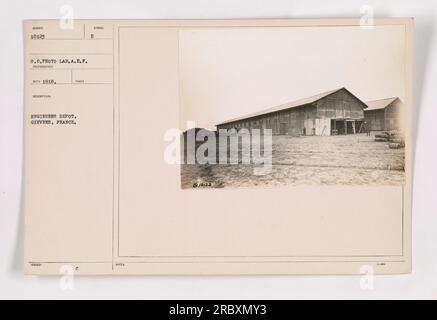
(337, 127)
(283, 129)
(346, 126)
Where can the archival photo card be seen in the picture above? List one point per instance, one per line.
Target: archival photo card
(196, 147)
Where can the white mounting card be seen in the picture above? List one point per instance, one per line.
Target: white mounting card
(218, 146)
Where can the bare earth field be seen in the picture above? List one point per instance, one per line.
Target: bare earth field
(311, 160)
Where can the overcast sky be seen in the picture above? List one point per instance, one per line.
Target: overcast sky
(227, 73)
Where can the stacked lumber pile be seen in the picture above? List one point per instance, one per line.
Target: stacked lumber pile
(396, 141)
(382, 137)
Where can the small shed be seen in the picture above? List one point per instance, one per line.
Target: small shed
(384, 115)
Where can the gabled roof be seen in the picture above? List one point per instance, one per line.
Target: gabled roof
(380, 104)
(289, 105)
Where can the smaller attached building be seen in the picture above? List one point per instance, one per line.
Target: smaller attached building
(384, 115)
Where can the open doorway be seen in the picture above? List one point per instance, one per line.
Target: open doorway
(346, 126)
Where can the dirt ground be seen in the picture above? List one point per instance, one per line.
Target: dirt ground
(310, 160)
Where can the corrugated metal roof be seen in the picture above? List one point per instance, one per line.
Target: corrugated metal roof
(379, 104)
(287, 105)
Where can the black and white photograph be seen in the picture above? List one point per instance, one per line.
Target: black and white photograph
(293, 106)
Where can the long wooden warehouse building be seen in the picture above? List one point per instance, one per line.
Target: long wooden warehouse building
(329, 113)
